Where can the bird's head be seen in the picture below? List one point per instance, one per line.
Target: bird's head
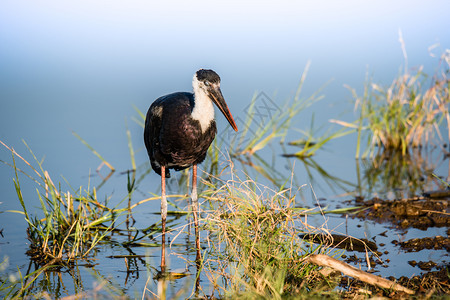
(208, 82)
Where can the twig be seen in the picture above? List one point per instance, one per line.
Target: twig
(327, 261)
(435, 212)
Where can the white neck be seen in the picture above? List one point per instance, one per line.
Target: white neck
(203, 108)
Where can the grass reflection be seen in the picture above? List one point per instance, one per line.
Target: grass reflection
(393, 175)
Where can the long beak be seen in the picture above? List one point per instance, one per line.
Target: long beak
(216, 94)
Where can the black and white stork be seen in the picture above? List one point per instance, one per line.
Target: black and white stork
(179, 128)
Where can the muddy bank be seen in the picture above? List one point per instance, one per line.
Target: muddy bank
(436, 243)
(420, 212)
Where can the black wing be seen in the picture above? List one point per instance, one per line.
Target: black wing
(163, 128)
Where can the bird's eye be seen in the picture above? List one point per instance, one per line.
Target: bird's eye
(207, 83)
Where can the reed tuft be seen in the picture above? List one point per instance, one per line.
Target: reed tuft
(407, 114)
(255, 245)
(72, 222)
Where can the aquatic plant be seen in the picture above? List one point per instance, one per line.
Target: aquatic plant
(258, 132)
(311, 144)
(255, 245)
(70, 224)
(407, 114)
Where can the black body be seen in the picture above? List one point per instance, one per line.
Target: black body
(172, 137)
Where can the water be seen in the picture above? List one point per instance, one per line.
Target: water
(81, 66)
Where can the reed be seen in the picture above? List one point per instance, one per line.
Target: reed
(405, 115)
(72, 222)
(311, 144)
(256, 135)
(254, 246)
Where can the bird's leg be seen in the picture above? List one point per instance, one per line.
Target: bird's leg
(163, 217)
(194, 195)
(196, 211)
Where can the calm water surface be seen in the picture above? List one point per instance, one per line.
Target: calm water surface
(81, 66)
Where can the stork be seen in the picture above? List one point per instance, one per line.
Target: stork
(179, 128)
